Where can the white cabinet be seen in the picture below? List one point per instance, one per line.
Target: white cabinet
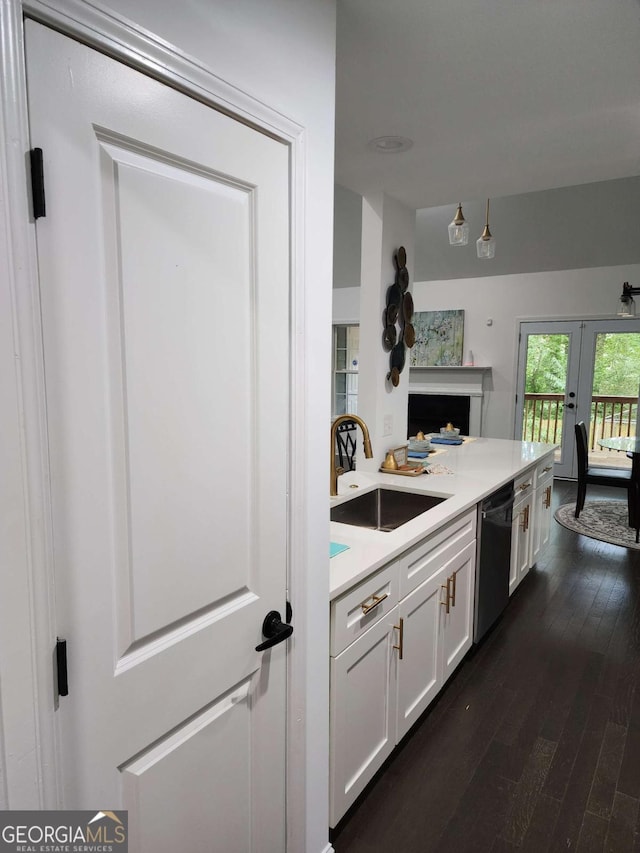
(362, 711)
(420, 670)
(457, 623)
(391, 654)
(436, 621)
(521, 528)
(531, 524)
(542, 509)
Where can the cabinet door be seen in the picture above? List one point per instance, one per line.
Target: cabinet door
(457, 624)
(542, 519)
(363, 712)
(420, 670)
(521, 532)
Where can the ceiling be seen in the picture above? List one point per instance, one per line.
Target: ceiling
(500, 97)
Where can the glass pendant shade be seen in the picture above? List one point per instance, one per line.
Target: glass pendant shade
(458, 229)
(486, 246)
(486, 243)
(626, 303)
(627, 307)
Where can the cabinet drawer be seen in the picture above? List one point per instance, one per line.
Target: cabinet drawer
(419, 564)
(525, 483)
(544, 471)
(361, 607)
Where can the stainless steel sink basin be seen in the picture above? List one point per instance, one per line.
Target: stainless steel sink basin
(383, 509)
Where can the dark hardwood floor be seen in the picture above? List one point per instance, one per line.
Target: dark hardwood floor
(534, 744)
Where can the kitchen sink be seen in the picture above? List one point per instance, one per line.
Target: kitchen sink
(383, 509)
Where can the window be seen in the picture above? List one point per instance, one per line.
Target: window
(346, 348)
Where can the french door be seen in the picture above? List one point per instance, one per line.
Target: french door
(578, 370)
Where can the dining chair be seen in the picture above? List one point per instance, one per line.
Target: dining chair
(618, 478)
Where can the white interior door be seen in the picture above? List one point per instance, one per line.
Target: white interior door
(164, 278)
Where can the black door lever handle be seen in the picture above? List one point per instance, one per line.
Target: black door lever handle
(275, 630)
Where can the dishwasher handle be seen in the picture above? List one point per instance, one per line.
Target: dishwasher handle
(496, 510)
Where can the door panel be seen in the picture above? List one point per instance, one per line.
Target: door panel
(204, 751)
(164, 276)
(549, 360)
(420, 671)
(571, 349)
(608, 386)
(457, 625)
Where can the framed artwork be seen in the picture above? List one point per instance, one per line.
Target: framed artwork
(439, 339)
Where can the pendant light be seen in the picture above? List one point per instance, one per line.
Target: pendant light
(486, 244)
(459, 229)
(627, 304)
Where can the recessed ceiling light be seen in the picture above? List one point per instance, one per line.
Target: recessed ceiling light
(390, 144)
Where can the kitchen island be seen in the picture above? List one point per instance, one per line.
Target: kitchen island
(402, 601)
(478, 469)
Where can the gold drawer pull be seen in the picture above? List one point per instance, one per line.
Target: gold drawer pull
(548, 468)
(445, 604)
(377, 599)
(524, 486)
(400, 629)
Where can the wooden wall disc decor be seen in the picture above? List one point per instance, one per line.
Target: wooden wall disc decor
(407, 307)
(409, 335)
(389, 338)
(398, 332)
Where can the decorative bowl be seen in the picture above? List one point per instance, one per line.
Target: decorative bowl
(418, 444)
(449, 433)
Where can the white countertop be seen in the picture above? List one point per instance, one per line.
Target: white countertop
(479, 468)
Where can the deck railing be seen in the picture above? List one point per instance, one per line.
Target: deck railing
(610, 416)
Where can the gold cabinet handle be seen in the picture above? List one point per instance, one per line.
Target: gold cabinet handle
(453, 588)
(548, 468)
(523, 486)
(377, 599)
(526, 517)
(400, 629)
(445, 603)
(547, 497)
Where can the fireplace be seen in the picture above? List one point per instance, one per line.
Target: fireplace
(442, 395)
(429, 412)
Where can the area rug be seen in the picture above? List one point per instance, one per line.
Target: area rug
(607, 521)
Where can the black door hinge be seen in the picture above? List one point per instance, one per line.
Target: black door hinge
(61, 667)
(37, 183)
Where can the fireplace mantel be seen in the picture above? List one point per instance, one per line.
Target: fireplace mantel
(448, 380)
(455, 381)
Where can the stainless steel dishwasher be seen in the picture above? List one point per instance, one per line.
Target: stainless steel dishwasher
(493, 559)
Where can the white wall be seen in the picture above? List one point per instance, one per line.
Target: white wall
(347, 236)
(386, 225)
(508, 299)
(283, 53)
(346, 305)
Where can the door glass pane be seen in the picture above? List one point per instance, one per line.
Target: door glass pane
(545, 386)
(346, 353)
(614, 398)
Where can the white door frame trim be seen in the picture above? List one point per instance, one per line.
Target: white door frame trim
(28, 777)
